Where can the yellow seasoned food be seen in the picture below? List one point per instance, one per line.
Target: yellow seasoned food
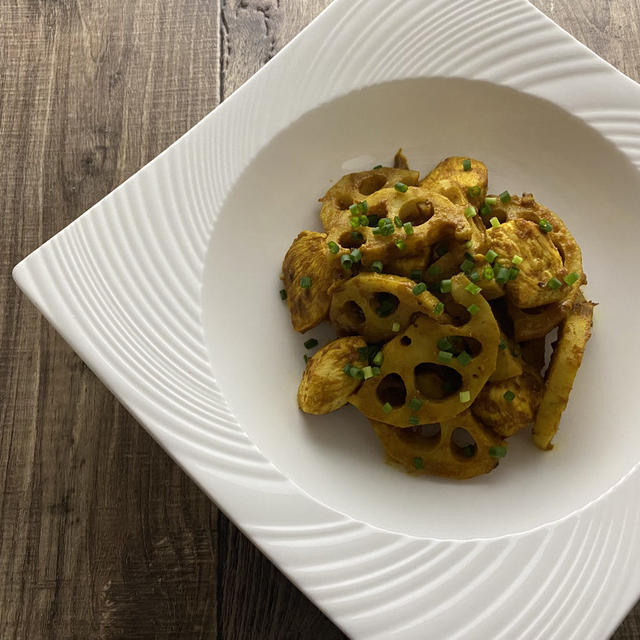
(443, 299)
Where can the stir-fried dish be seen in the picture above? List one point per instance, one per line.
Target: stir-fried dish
(443, 298)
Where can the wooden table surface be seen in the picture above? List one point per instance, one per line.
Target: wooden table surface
(101, 535)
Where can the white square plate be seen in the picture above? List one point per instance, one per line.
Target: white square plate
(167, 289)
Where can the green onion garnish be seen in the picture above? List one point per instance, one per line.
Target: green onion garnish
(473, 289)
(364, 206)
(387, 408)
(497, 452)
(545, 225)
(463, 358)
(346, 261)
(438, 309)
(397, 221)
(401, 187)
(445, 286)
(347, 368)
(401, 245)
(356, 372)
(490, 256)
(433, 270)
(305, 282)
(310, 343)
(416, 274)
(473, 309)
(505, 197)
(414, 421)
(444, 356)
(444, 344)
(474, 276)
(418, 463)
(517, 260)
(395, 327)
(333, 247)
(408, 228)
(356, 255)
(502, 276)
(513, 273)
(415, 404)
(364, 221)
(572, 278)
(283, 294)
(378, 166)
(376, 371)
(470, 212)
(377, 266)
(485, 210)
(503, 345)
(354, 209)
(474, 192)
(378, 359)
(554, 283)
(494, 222)
(466, 164)
(355, 222)
(421, 287)
(465, 396)
(488, 273)
(367, 372)
(492, 201)
(467, 265)
(509, 395)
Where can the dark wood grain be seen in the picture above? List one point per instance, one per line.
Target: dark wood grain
(101, 535)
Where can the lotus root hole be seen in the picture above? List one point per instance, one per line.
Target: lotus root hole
(458, 313)
(463, 446)
(428, 435)
(351, 240)
(462, 343)
(416, 213)
(405, 341)
(353, 313)
(392, 389)
(435, 381)
(384, 303)
(371, 184)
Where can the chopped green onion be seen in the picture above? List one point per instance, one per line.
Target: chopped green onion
(438, 309)
(466, 164)
(305, 282)
(377, 266)
(554, 283)
(444, 356)
(445, 286)
(474, 192)
(442, 250)
(397, 221)
(492, 201)
(356, 372)
(408, 228)
(421, 287)
(444, 344)
(283, 294)
(401, 187)
(354, 209)
(488, 273)
(364, 206)
(378, 166)
(416, 274)
(395, 327)
(363, 353)
(465, 396)
(368, 372)
(572, 278)
(503, 345)
(473, 309)
(517, 260)
(463, 358)
(418, 463)
(356, 255)
(355, 222)
(513, 273)
(310, 343)
(494, 222)
(490, 256)
(433, 270)
(470, 212)
(467, 265)
(509, 396)
(333, 247)
(414, 421)
(473, 289)
(376, 371)
(401, 245)
(387, 408)
(346, 261)
(502, 276)
(467, 244)
(545, 225)
(474, 276)
(497, 452)
(485, 210)
(364, 221)
(347, 368)
(505, 197)
(415, 404)
(378, 359)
